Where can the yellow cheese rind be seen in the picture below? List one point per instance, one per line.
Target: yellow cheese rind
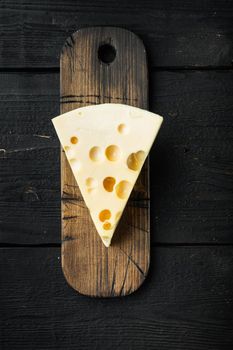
(106, 146)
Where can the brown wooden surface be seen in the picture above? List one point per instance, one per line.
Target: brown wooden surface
(90, 267)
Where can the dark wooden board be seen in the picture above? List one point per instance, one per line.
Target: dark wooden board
(176, 33)
(185, 303)
(191, 173)
(90, 267)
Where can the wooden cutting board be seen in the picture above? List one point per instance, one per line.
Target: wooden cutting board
(104, 65)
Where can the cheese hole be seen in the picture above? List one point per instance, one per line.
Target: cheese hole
(107, 226)
(75, 164)
(91, 190)
(118, 215)
(91, 183)
(132, 162)
(135, 160)
(104, 215)
(105, 238)
(123, 189)
(109, 183)
(96, 154)
(140, 155)
(74, 140)
(123, 129)
(112, 153)
(66, 148)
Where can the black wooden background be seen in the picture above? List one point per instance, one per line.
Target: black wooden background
(187, 300)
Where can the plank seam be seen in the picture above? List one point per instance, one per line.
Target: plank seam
(153, 245)
(151, 68)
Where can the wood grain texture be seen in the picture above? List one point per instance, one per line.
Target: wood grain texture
(90, 267)
(185, 303)
(176, 33)
(191, 164)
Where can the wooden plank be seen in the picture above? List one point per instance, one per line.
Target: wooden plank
(178, 33)
(90, 267)
(29, 159)
(191, 163)
(184, 304)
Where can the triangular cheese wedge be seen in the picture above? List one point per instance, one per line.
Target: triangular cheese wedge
(106, 146)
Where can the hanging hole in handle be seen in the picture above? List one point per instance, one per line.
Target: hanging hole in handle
(107, 53)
